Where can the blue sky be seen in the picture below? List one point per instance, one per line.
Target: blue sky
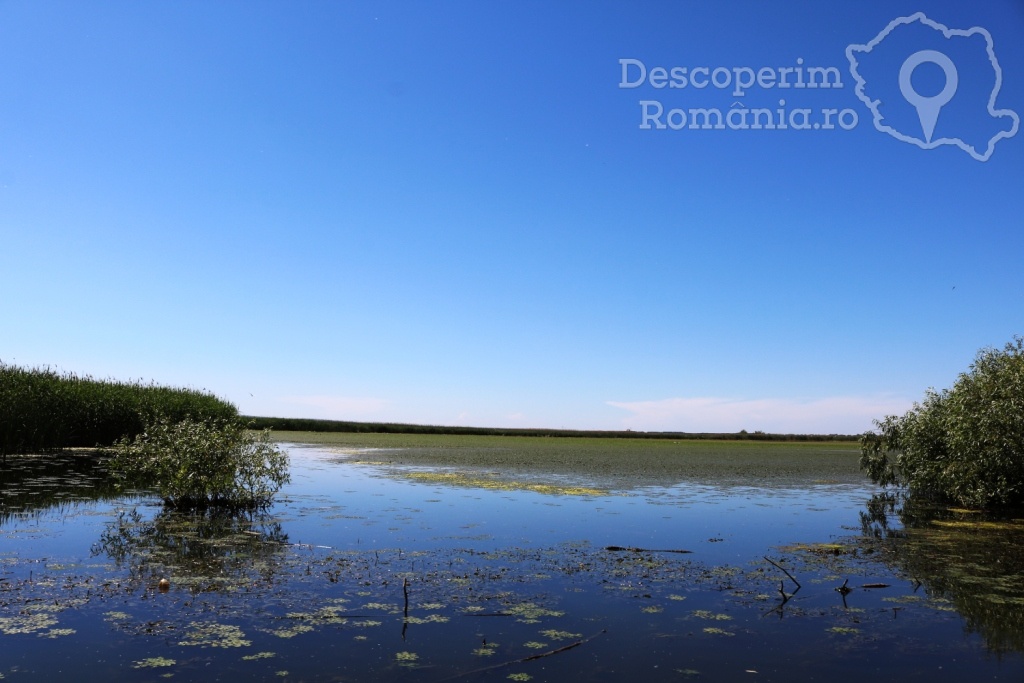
(449, 213)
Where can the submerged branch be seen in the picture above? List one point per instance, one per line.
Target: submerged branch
(619, 548)
(530, 658)
(777, 565)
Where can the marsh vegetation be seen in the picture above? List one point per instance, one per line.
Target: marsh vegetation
(44, 410)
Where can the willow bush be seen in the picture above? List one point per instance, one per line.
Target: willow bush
(963, 445)
(202, 464)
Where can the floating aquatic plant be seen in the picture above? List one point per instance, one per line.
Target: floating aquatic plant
(471, 481)
(530, 613)
(560, 635)
(210, 634)
(486, 650)
(153, 663)
(705, 614)
(406, 658)
(429, 619)
(717, 631)
(259, 655)
(291, 631)
(58, 632)
(29, 623)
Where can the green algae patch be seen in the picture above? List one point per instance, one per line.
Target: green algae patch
(974, 525)
(466, 480)
(820, 549)
(429, 619)
(29, 623)
(530, 613)
(711, 630)
(407, 659)
(291, 631)
(486, 650)
(259, 655)
(555, 634)
(58, 632)
(712, 616)
(211, 634)
(153, 663)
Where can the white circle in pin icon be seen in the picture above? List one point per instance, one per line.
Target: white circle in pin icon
(928, 107)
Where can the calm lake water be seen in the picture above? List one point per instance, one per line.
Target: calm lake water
(365, 571)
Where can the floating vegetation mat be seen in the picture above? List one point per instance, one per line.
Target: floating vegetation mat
(473, 480)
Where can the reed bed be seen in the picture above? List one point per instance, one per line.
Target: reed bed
(44, 410)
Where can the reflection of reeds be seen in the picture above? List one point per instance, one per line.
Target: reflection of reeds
(58, 483)
(41, 409)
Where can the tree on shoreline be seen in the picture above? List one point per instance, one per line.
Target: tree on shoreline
(963, 445)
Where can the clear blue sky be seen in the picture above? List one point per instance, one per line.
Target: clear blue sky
(449, 213)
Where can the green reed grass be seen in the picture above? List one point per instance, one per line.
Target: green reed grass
(43, 410)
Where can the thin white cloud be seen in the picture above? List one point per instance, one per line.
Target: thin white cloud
(830, 415)
(339, 407)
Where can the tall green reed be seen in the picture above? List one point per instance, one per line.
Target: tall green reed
(43, 410)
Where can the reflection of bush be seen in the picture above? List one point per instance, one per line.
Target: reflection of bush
(974, 561)
(31, 485)
(210, 549)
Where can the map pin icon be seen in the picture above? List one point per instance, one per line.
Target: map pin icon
(928, 107)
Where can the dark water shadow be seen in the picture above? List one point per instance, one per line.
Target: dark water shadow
(972, 559)
(31, 485)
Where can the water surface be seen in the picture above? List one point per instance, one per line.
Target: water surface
(368, 569)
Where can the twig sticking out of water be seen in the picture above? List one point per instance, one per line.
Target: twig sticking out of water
(541, 655)
(619, 548)
(776, 564)
(843, 591)
(781, 607)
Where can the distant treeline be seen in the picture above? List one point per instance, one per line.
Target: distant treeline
(298, 424)
(43, 410)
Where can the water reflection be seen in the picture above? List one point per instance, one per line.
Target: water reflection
(973, 560)
(32, 484)
(207, 550)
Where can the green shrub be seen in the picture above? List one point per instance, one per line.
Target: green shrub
(199, 464)
(964, 445)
